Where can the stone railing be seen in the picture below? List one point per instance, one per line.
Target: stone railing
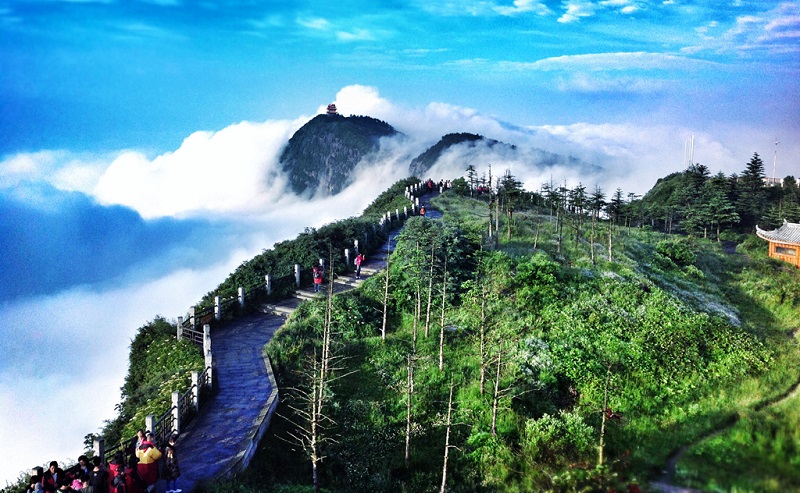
(186, 405)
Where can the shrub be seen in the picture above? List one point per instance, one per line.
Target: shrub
(677, 251)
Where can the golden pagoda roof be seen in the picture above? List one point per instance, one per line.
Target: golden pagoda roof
(788, 233)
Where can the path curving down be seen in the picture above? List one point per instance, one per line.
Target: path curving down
(666, 484)
(221, 440)
(224, 435)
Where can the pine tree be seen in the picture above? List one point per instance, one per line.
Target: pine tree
(752, 204)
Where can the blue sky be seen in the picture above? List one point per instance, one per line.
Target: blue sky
(88, 75)
(139, 142)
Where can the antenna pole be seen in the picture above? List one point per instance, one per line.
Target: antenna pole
(775, 160)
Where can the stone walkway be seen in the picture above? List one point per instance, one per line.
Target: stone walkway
(229, 425)
(222, 438)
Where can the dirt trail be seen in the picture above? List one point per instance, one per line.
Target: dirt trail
(666, 482)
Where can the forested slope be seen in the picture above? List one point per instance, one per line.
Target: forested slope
(538, 360)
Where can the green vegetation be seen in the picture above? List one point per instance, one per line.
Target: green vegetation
(158, 365)
(321, 155)
(561, 354)
(311, 245)
(697, 203)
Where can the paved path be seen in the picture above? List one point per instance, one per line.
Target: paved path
(218, 439)
(223, 437)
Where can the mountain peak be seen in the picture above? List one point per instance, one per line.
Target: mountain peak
(320, 156)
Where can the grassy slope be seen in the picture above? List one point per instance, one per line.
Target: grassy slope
(742, 305)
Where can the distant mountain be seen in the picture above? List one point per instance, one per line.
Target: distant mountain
(422, 163)
(321, 155)
(476, 150)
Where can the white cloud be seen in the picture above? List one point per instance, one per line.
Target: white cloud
(234, 170)
(62, 169)
(772, 31)
(575, 10)
(612, 61)
(523, 6)
(355, 35)
(316, 23)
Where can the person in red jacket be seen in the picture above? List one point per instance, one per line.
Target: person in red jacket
(148, 456)
(359, 260)
(318, 273)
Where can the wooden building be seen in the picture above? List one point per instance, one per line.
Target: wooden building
(784, 242)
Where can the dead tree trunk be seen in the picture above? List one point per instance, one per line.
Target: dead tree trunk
(441, 323)
(385, 296)
(496, 395)
(447, 439)
(430, 296)
(591, 240)
(409, 395)
(600, 448)
(483, 342)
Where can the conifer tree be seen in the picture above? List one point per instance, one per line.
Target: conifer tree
(752, 203)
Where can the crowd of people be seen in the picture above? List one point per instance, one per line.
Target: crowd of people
(147, 469)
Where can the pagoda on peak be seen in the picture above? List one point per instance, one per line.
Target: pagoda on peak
(332, 109)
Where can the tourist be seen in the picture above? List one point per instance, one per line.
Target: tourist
(86, 485)
(148, 456)
(171, 469)
(317, 273)
(358, 261)
(52, 478)
(77, 484)
(36, 484)
(115, 468)
(133, 482)
(83, 466)
(99, 477)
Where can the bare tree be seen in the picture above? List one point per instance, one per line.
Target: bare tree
(430, 293)
(308, 402)
(385, 295)
(441, 322)
(447, 445)
(409, 396)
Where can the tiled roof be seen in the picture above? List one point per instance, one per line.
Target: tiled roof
(788, 233)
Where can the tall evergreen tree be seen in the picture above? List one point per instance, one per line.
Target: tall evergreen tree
(720, 207)
(752, 203)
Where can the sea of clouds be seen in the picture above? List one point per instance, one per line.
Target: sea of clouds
(97, 245)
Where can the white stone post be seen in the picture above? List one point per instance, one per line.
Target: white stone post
(207, 352)
(150, 423)
(355, 246)
(297, 274)
(241, 297)
(416, 201)
(180, 328)
(268, 279)
(347, 257)
(99, 448)
(405, 211)
(176, 412)
(217, 309)
(209, 362)
(196, 391)
(192, 318)
(397, 213)
(206, 339)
